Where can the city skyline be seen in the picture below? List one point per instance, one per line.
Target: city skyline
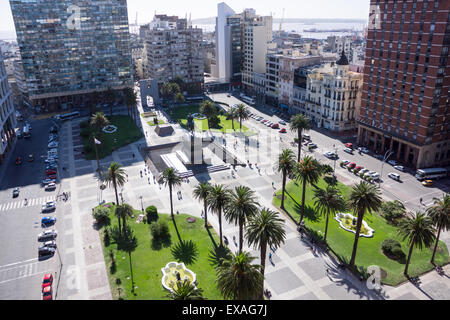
(330, 9)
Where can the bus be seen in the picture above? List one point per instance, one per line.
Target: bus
(249, 100)
(67, 116)
(194, 99)
(431, 173)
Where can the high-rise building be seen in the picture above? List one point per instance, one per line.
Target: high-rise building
(7, 114)
(405, 97)
(70, 49)
(175, 49)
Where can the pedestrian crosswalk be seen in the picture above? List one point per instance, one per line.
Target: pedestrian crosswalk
(21, 203)
(11, 273)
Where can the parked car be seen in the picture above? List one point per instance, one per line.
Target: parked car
(392, 162)
(394, 176)
(52, 176)
(53, 144)
(15, 193)
(47, 235)
(364, 150)
(427, 183)
(50, 171)
(48, 220)
(330, 155)
(348, 150)
(47, 281)
(47, 293)
(351, 165)
(312, 145)
(306, 136)
(46, 251)
(18, 160)
(51, 167)
(349, 145)
(282, 130)
(375, 176)
(50, 159)
(50, 243)
(346, 162)
(49, 206)
(53, 129)
(378, 156)
(275, 126)
(358, 168)
(363, 171)
(50, 186)
(48, 181)
(400, 168)
(282, 122)
(30, 158)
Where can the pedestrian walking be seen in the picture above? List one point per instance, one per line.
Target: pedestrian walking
(270, 257)
(420, 200)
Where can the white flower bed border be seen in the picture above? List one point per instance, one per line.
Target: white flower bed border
(198, 116)
(371, 231)
(114, 129)
(165, 271)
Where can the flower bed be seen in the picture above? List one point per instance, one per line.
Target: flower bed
(346, 222)
(174, 272)
(109, 129)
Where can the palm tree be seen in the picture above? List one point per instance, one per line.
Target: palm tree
(238, 278)
(419, 231)
(440, 215)
(243, 204)
(201, 192)
(124, 211)
(265, 229)
(116, 177)
(231, 115)
(130, 101)
(364, 197)
(208, 109)
(185, 290)
(328, 201)
(99, 121)
(242, 114)
(179, 98)
(111, 98)
(285, 165)
(94, 100)
(300, 123)
(307, 171)
(170, 178)
(217, 199)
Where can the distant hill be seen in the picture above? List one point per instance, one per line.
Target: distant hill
(212, 20)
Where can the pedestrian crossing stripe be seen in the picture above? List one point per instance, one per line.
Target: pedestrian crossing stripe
(21, 203)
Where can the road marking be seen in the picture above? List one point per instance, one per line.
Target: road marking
(11, 264)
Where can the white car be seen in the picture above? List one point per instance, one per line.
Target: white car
(364, 150)
(364, 171)
(53, 144)
(394, 176)
(47, 234)
(282, 122)
(330, 155)
(50, 186)
(49, 206)
(400, 168)
(348, 150)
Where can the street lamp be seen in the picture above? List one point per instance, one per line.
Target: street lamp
(142, 205)
(386, 156)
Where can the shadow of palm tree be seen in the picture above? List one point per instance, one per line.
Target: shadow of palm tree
(310, 213)
(211, 237)
(185, 251)
(176, 229)
(217, 254)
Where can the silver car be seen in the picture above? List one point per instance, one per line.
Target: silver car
(49, 206)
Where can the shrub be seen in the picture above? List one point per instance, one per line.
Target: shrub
(106, 238)
(152, 214)
(392, 211)
(85, 133)
(214, 122)
(101, 215)
(393, 249)
(159, 230)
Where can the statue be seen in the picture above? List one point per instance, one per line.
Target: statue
(190, 122)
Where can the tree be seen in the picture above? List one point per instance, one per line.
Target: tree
(179, 98)
(307, 171)
(129, 243)
(328, 201)
(238, 278)
(440, 215)
(185, 290)
(130, 101)
(419, 231)
(201, 192)
(170, 178)
(101, 215)
(123, 211)
(243, 204)
(94, 100)
(265, 229)
(364, 197)
(99, 121)
(231, 115)
(217, 199)
(208, 109)
(115, 177)
(111, 98)
(299, 123)
(285, 165)
(392, 211)
(242, 114)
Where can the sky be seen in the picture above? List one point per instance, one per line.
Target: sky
(349, 9)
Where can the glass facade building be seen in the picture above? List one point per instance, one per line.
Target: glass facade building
(71, 48)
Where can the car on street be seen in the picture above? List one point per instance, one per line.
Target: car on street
(53, 155)
(363, 171)
(47, 281)
(47, 235)
(47, 293)
(394, 176)
(50, 186)
(282, 130)
(48, 220)
(306, 137)
(375, 176)
(427, 183)
(400, 168)
(51, 167)
(348, 150)
(392, 162)
(50, 159)
(378, 156)
(50, 243)
(282, 122)
(18, 160)
(53, 144)
(48, 206)
(30, 158)
(351, 165)
(48, 181)
(46, 251)
(349, 145)
(330, 155)
(363, 150)
(53, 129)
(52, 176)
(312, 145)
(359, 168)
(50, 171)
(15, 193)
(345, 162)
(275, 126)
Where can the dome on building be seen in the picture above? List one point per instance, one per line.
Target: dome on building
(343, 61)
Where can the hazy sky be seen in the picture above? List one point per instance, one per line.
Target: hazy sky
(357, 9)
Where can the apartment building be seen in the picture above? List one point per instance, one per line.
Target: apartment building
(405, 98)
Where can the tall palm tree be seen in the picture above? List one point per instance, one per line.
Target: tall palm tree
(419, 231)
(299, 123)
(307, 171)
(217, 199)
(185, 290)
(285, 165)
(130, 101)
(440, 215)
(201, 192)
(99, 121)
(328, 201)
(115, 177)
(170, 178)
(179, 98)
(364, 197)
(243, 204)
(265, 229)
(124, 211)
(238, 278)
(208, 109)
(242, 114)
(231, 115)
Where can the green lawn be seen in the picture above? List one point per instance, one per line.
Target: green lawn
(180, 114)
(127, 133)
(148, 261)
(369, 249)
